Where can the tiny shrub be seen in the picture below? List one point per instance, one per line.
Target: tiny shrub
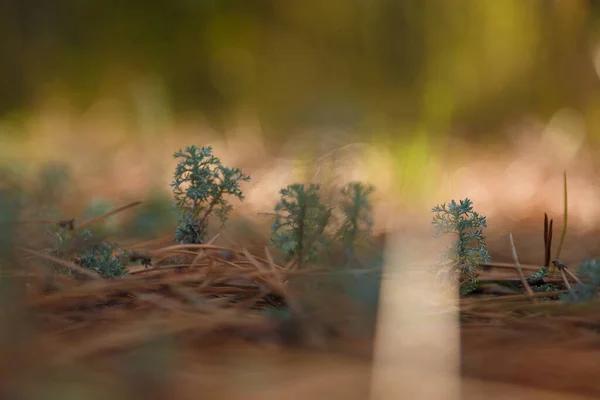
(305, 226)
(469, 249)
(200, 185)
(357, 222)
(107, 259)
(301, 219)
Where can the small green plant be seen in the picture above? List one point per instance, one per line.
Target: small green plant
(469, 250)
(301, 219)
(78, 244)
(72, 243)
(589, 273)
(357, 222)
(536, 281)
(200, 186)
(105, 258)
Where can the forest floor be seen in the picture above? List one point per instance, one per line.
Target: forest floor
(181, 333)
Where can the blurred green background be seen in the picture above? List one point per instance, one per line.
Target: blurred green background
(115, 87)
(371, 67)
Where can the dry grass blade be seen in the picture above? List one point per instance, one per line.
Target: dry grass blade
(188, 248)
(269, 258)
(253, 260)
(509, 266)
(181, 247)
(109, 214)
(211, 241)
(502, 299)
(202, 254)
(572, 275)
(162, 256)
(518, 267)
(139, 270)
(291, 264)
(564, 277)
(152, 243)
(66, 264)
(512, 278)
(266, 214)
(274, 279)
(142, 282)
(278, 283)
(231, 264)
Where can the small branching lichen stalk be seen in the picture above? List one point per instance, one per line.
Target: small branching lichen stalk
(201, 184)
(469, 250)
(301, 219)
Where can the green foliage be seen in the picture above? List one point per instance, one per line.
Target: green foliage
(301, 219)
(583, 292)
(357, 216)
(107, 259)
(469, 250)
(536, 281)
(200, 186)
(538, 276)
(305, 225)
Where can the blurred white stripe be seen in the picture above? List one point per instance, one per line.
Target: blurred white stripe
(417, 349)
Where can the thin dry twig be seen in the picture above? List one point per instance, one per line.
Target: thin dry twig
(151, 243)
(166, 250)
(510, 266)
(564, 277)
(572, 275)
(518, 267)
(109, 214)
(201, 253)
(502, 299)
(66, 264)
